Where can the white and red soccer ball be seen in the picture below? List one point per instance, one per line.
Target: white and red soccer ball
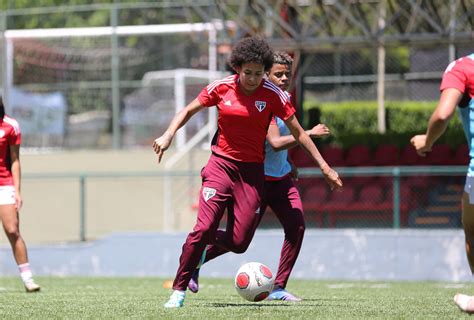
(254, 281)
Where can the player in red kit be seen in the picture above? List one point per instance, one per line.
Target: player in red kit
(457, 92)
(10, 196)
(281, 194)
(234, 173)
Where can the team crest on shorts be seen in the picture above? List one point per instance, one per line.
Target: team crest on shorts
(208, 193)
(260, 105)
(2, 133)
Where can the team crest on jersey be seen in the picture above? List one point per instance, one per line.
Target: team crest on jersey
(208, 193)
(2, 133)
(260, 105)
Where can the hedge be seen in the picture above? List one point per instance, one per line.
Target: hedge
(355, 122)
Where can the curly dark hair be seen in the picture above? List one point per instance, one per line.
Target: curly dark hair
(280, 57)
(253, 49)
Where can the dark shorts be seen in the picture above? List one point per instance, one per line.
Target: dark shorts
(228, 183)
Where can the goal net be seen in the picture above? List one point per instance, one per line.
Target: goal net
(98, 74)
(149, 109)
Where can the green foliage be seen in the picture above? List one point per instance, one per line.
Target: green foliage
(397, 59)
(27, 19)
(355, 122)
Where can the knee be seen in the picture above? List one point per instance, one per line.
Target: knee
(12, 232)
(203, 233)
(241, 246)
(239, 249)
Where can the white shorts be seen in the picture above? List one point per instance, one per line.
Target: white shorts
(7, 195)
(469, 188)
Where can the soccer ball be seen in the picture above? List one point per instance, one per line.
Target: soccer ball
(254, 281)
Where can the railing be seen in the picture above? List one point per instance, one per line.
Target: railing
(82, 178)
(395, 172)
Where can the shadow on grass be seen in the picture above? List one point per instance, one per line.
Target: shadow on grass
(281, 304)
(240, 305)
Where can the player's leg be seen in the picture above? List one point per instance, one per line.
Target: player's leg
(192, 251)
(11, 225)
(243, 217)
(248, 192)
(285, 201)
(212, 201)
(465, 302)
(212, 251)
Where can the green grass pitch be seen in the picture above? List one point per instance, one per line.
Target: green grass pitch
(143, 298)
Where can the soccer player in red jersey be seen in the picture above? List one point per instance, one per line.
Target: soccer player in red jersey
(457, 89)
(234, 173)
(281, 194)
(10, 196)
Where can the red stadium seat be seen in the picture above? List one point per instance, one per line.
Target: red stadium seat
(371, 194)
(407, 202)
(313, 201)
(359, 155)
(359, 181)
(441, 154)
(339, 201)
(409, 157)
(461, 155)
(333, 155)
(300, 158)
(386, 155)
(370, 205)
(342, 196)
(316, 194)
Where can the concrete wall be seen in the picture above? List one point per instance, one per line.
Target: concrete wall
(119, 204)
(379, 255)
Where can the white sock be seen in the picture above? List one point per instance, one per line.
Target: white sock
(25, 272)
(179, 293)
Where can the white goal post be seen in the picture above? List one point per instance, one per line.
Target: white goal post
(211, 29)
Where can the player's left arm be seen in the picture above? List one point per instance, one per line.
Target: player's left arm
(16, 173)
(439, 120)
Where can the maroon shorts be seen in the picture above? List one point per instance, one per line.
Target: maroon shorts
(238, 186)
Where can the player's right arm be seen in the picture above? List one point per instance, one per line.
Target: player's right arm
(161, 144)
(438, 122)
(453, 88)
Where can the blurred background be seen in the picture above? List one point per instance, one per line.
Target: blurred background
(93, 83)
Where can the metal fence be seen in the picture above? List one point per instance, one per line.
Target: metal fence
(87, 88)
(91, 205)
